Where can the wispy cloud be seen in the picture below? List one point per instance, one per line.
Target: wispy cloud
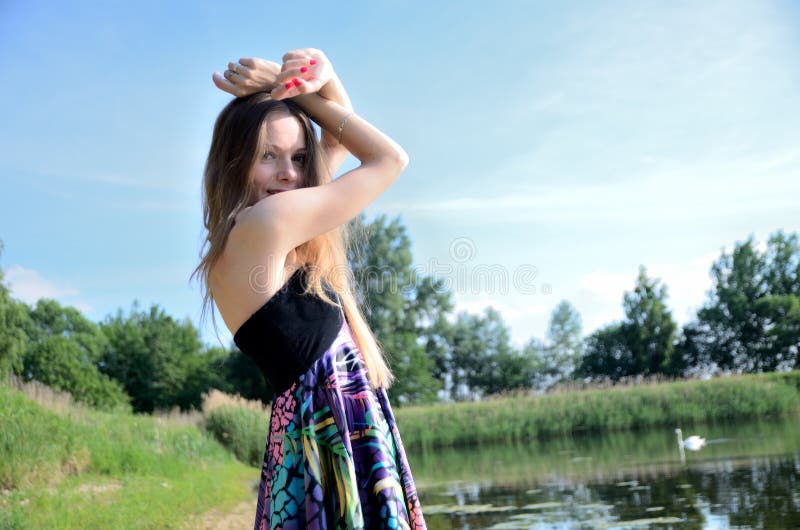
(700, 190)
(29, 286)
(115, 180)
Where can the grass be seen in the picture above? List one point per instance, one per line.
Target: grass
(519, 417)
(63, 465)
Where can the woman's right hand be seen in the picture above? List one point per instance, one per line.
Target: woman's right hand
(248, 76)
(304, 71)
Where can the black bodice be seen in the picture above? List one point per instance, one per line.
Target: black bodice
(289, 332)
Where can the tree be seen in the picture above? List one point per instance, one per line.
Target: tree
(606, 354)
(398, 304)
(63, 351)
(13, 319)
(750, 322)
(482, 359)
(157, 359)
(642, 344)
(564, 336)
(649, 329)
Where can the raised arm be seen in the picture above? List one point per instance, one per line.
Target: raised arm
(313, 68)
(335, 153)
(251, 74)
(289, 219)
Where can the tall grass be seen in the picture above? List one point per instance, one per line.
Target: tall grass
(238, 424)
(64, 465)
(522, 417)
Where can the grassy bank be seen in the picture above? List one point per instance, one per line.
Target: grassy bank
(517, 418)
(74, 467)
(81, 468)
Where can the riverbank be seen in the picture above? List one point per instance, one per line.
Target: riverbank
(674, 404)
(76, 467)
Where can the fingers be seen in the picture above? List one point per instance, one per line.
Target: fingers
(239, 68)
(230, 76)
(294, 87)
(294, 63)
(287, 76)
(295, 54)
(225, 85)
(247, 61)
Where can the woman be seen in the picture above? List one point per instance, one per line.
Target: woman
(276, 268)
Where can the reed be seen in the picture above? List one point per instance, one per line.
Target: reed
(522, 416)
(240, 429)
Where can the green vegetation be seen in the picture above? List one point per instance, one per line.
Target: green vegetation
(84, 468)
(242, 431)
(519, 417)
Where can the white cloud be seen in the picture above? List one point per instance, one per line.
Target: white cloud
(600, 293)
(692, 190)
(516, 316)
(29, 286)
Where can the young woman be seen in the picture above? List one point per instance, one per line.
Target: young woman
(276, 268)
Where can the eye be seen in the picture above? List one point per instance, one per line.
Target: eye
(300, 158)
(268, 154)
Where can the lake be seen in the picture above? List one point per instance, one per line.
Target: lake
(745, 477)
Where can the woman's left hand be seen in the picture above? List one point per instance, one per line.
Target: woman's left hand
(248, 76)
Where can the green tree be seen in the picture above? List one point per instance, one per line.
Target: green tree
(398, 305)
(642, 344)
(750, 322)
(649, 328)
(158, 360)
(606, 354)
(13, 320)
(63, 351)
(565, 343)
(240, 375)
(482, 359)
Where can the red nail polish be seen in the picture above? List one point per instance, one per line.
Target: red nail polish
(297, 81)
(304, 69)
(288, 86)
(312, 62)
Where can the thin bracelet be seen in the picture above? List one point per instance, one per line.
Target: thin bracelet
(341, 126)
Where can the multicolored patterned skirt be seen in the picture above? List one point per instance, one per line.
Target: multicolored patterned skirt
(334, 458)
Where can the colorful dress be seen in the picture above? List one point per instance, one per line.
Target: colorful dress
(333, 458)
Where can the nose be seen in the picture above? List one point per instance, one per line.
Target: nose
(287, 172)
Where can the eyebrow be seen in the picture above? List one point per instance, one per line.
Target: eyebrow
(276, 148)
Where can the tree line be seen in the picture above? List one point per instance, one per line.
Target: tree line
(145, 359)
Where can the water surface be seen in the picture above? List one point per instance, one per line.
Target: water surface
(746, 477)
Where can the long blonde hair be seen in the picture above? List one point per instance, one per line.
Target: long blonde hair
(239, 133)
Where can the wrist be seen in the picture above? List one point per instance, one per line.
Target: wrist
(330, 90)
(334, 91)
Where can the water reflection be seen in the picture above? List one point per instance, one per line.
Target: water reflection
(746, 476)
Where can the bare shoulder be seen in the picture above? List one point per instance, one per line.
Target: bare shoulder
(246, 276)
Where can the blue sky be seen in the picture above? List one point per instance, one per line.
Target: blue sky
(578, 140)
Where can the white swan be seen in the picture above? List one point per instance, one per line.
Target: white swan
(692, 443)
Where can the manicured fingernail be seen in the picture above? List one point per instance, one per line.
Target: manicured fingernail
(288, 86)
(297, 81)
(304, 69)
(312, 62)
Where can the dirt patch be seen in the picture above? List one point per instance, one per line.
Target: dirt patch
(240, 517)
(99, 488)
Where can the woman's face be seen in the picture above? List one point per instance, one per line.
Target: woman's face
(280, 166)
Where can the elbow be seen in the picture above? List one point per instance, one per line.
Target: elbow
(397, 163)
(398, 159)
(402, 158)
(392, 161)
